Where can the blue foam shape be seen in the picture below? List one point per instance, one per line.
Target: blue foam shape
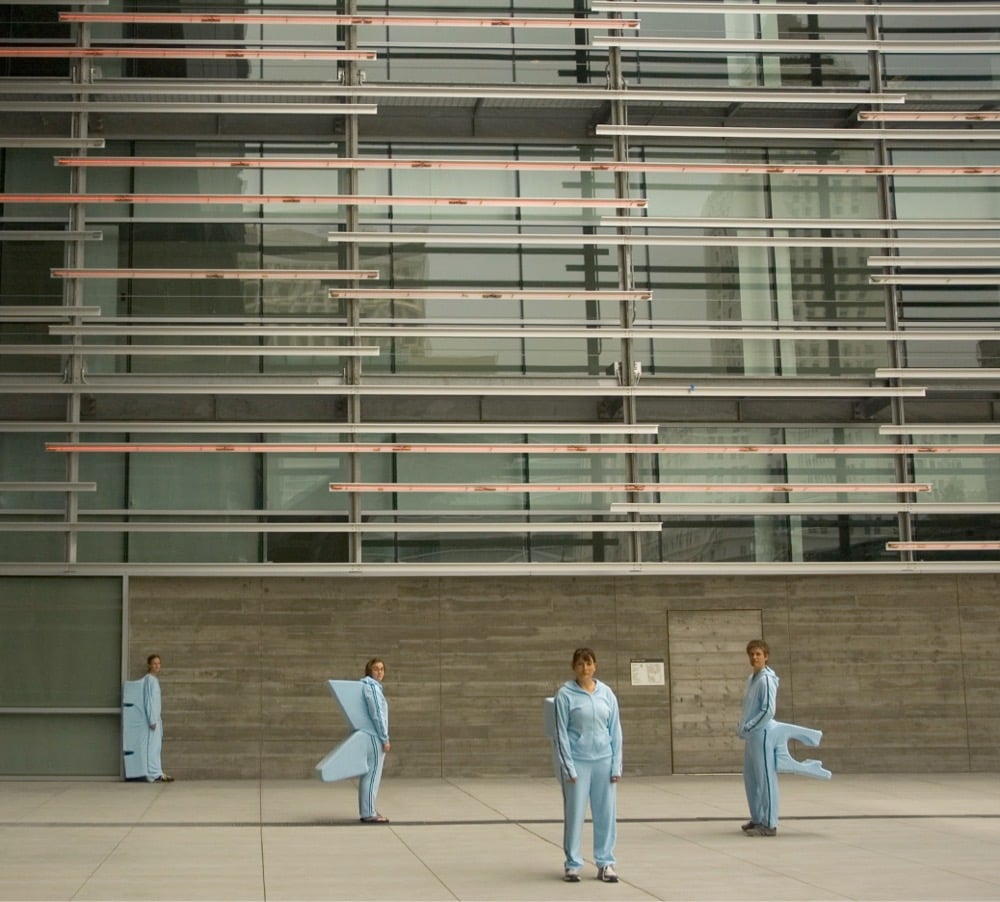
(351, 757)
(135, 730)
(776, 743)
(549, 714)
(348, 694)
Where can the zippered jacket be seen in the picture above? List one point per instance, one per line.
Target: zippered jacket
(588, 727)
(151, 704)
(378, 707)
(760, 702)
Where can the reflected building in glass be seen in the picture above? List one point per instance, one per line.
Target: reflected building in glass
(545, 293)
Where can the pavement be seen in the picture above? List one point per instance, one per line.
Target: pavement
(857, 836)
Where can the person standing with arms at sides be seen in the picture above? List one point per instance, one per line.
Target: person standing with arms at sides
(589, 749)
(378, 710)
(152, 708)
(760, 773)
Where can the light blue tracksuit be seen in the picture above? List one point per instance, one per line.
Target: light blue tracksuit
(152, 710)
(760, 772)
(589, 749)
(378, 710)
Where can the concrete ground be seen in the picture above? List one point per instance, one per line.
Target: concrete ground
(868, 836)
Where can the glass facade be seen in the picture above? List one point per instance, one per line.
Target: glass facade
(60, 676)
(526, 285)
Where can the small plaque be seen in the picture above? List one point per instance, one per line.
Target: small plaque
(648, 672)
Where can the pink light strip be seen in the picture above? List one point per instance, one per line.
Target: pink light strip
(932, 116)
(503, 448)
(598, 487)
(276, 275)
(514, 165)
(942, 546)
(376, 200)
(487, 294)
(366, 19)
(181, 53)
(196, 350)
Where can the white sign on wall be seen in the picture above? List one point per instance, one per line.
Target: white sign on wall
(648, 672)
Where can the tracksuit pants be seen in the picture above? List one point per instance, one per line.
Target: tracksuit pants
(760, 779)
(593, 784)
(370, 781)
(154, 753)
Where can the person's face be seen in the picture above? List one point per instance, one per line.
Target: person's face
(758, 659)
(154, 666)
(378, 670)
(584, 669)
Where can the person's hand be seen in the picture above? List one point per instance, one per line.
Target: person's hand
(615, 779)
(386, 746)
(152, 726)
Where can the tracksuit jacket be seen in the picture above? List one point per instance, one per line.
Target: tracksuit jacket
(587, 727)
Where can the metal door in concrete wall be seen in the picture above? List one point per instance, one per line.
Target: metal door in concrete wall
(708, 669)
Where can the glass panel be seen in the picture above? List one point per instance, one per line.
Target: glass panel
(26, 23)
(301, 483)
(773, 538)
(955, 528)
(461, 469)
(975, 307)
(60, 745)
(846, 538)
(827, 285)
(744, 69)
(453, 268)
(757, 286)
(703, 285)
(730, 539)
(23, 458)
(596, 547)
(452, 548)
(961, 478)
(60, 642)
(24, 265)
(181, 483)
(955, 70)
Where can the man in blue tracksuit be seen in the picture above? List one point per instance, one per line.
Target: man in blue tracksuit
(589, 748)
(760, 775)
(378, 710)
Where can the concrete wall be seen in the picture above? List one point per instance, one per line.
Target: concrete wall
(901, 673)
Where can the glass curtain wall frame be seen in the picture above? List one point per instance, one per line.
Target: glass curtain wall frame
(769, 284)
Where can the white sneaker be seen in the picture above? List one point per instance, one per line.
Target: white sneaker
(571, 875)
(607, 874)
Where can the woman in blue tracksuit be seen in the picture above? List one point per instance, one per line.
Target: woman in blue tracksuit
(378, 710)
(589, 749)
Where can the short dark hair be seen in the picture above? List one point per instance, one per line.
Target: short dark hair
(584, 654)
(371, 664)
(149, 660)
(758, 643)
